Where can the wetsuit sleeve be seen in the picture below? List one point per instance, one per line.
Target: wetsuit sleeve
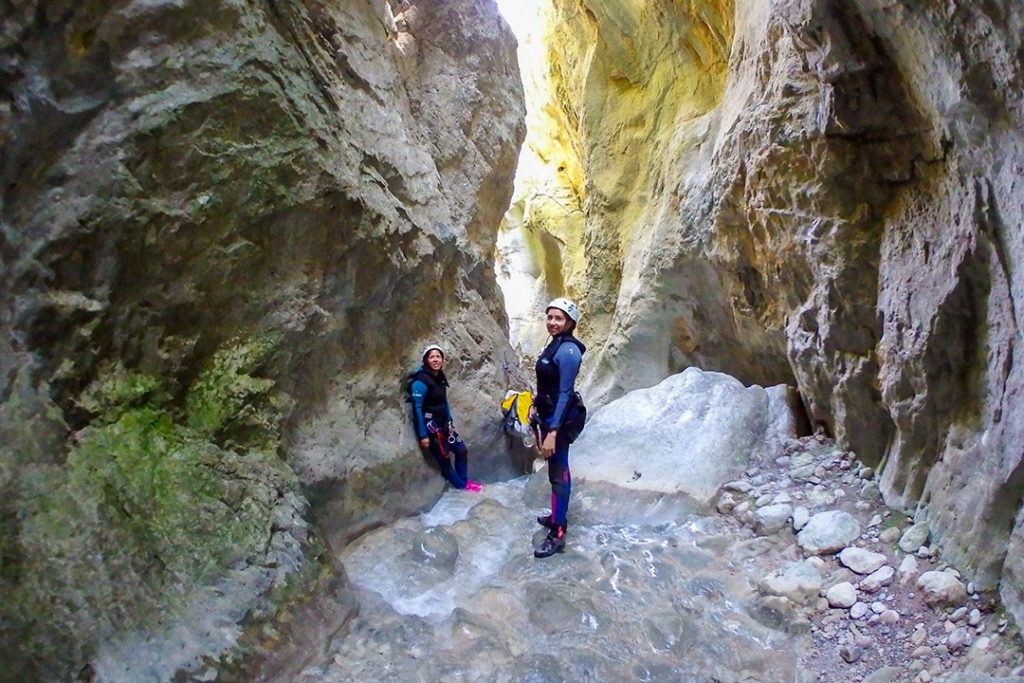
(567, 359)
(418, 390)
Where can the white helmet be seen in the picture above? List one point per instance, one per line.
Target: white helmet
(429, 348)
(567, 306)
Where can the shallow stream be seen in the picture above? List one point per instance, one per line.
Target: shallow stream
(646, 590)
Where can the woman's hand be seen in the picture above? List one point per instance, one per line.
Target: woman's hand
(547, 449)
(424, 442)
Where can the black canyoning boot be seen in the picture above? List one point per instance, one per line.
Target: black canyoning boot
(545, 520)
(554, 543)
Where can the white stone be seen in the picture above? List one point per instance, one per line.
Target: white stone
(841, 595)
(828, 532)
(772, 518)
(877, 579)
(957, 639)
(858, 610)
(914, 537)
(737, 486)
(975, 617)
(908, 568)
(890, 616)
(860, 560)
(797, 581)
(877, 607)
(941, 589)
(800, 518)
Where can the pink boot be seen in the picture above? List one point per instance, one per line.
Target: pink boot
(473, 485)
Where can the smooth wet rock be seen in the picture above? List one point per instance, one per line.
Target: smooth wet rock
(941, 589)
(701, 429)
(436, 547)
(828, 532)
(860, 560)
(914, 537)
(859, 610)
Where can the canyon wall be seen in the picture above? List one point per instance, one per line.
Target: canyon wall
(826, 191)
(227, 229)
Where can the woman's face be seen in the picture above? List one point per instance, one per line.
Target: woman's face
(557, 321)
(435, 360)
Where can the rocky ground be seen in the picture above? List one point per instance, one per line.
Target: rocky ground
(878, 601)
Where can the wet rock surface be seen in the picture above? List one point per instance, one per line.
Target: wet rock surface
(648, 589)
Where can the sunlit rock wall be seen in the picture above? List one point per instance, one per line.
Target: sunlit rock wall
(322, 180)
(541, 251)
(830, 191)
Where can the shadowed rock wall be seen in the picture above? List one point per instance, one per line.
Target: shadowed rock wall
(185, 177)
(837, 198)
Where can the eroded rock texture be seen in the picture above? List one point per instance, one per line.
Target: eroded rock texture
(836, 193)
(321, 181)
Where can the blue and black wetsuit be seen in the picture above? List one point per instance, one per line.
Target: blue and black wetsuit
(432, 418)
(557, 368)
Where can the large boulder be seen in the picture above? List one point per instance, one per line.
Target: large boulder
(688, 435)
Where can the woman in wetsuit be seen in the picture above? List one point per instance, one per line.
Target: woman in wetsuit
(432, 418)
(557, 368)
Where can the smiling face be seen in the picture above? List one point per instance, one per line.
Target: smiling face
(434, 360)
(557, 322)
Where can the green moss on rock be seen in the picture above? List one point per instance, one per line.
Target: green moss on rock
(149, 504)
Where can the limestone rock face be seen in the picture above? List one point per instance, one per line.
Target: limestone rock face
(177, 176)
(834, 194)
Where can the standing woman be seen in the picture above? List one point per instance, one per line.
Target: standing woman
(432, 418)
(557, 368)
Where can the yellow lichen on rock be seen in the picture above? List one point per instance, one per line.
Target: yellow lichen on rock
(606, 99)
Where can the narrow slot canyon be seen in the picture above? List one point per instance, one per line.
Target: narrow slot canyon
(230, 230)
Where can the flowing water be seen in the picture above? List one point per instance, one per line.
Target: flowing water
(646, 590)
